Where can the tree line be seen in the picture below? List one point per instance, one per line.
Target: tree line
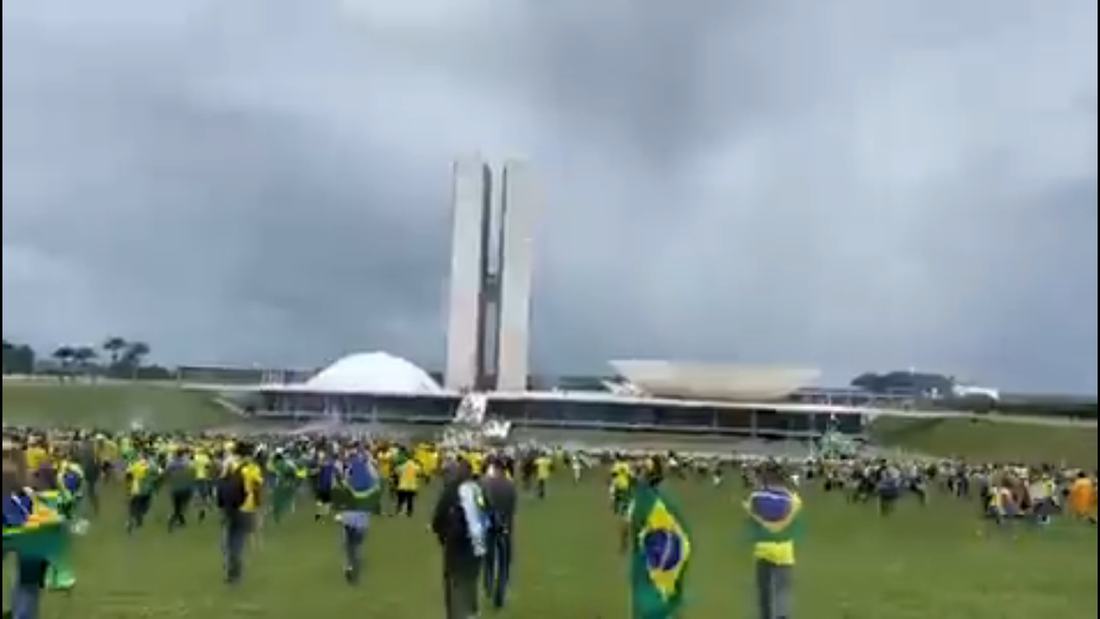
(115, 357)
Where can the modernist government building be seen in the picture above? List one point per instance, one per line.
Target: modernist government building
(487, 364)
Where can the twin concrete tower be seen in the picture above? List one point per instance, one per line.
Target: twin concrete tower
(492, 251)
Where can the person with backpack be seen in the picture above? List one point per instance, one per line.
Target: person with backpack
(239, 495)
(460, 525)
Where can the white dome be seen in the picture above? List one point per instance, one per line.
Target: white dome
(375, 372)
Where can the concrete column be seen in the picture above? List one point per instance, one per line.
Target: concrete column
(520, 209)
(469, 252)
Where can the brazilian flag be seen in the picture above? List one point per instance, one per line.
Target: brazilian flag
(774, 516)
(661, 554)
(33, 529)
(359, 488)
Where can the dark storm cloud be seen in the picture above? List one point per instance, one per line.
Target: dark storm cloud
(844, 184)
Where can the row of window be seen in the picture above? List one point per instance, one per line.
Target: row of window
(560, 413)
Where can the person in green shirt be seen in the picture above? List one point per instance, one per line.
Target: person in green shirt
(286, 485)
(774, 519)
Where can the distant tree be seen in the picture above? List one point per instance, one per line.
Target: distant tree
(137, 351)
(868, 381)
(83, 358)
(917, 384)
(18, 358)
(114, 347)
(154, 372)
(64, 355)
(9, 357)
(132, 358)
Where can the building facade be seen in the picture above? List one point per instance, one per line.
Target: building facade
(489, 305)
(469, 290)
(518, 207)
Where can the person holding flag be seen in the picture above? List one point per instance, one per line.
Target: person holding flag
(358, 495)
(661, 553)
(64, 497)
(774, 515)
(72, 482)
(33, 531)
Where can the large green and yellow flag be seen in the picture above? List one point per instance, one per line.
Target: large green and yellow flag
(661, 555)
(33, 529)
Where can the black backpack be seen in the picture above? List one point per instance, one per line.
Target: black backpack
(231, 490)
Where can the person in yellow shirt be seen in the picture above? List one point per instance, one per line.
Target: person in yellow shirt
(622, 481)
(477, 463)
(774, 518)
(1040, 497)
(1002, 505)
(37, 457)
(204, 490)
(430, 462)
(544, 465)
(240, 495)
(387, 468)
(107, 454)
(409, 475)
(141, 478)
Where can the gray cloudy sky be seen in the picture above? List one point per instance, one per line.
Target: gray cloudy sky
(848, 184)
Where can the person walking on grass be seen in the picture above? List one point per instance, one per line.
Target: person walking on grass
(358, 496)
(141, 480)
(180, 475)
(459, 524)
(285, 476)
(774, 517)
(409, 475)
(500, 503)
(239, 495)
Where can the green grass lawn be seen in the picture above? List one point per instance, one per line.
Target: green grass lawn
(110, 406)
(991, 441)
(924, 563)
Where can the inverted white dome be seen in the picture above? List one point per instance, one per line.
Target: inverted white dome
(374, 372)
(719, 382)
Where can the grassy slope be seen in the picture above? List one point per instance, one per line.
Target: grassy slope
(110, 406)
(925, 562)
(990, 441)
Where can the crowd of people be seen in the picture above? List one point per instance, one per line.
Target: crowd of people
(57, 477)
